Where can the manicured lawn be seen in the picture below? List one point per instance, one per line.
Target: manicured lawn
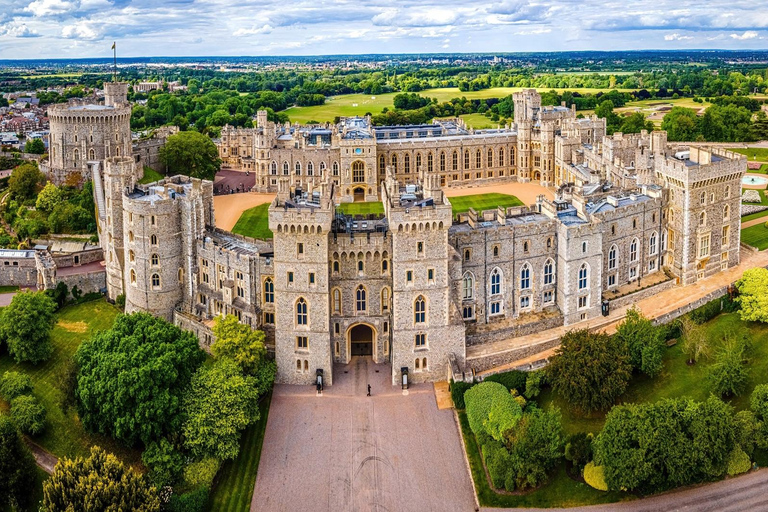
(8, 289)
(760, 154)
(753, 216)
(756, 236)
(235, 481)
(254, 222)
(150, 176)
(64, 434)
(375, 207)
(482, 202)
(479, 121)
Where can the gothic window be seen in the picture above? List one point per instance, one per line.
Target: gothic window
(496, 279)
(478, 159)
(335, 266)
(429, 162)
(418, 161)
(394, 162)
(131, 256)
(360, 266)
(501, 156)
(384, 300)
(358, 172)
(548, 272)
(360, 302)
(337, 301)
(726, 213)
(322, 168)
(633, 250)
(490, 157)
(382, 164)
(455, 163)
(612, 257)
(703, 198)
(419, 310)
(273, 169)
(466, 159)
(301, 311)
(335, 169)
(130, 236)
(310, 169)
(703, 219)
(91, 154)
(76, 156)
(442, 161)
(153, 239)
(495, 251)
(407, 163)
(468, 286)
(652, 244)
(384, 265)
(298, 168)
(583, 273)
(269, 291)
(155, 281)
(525, 277)
(728, 192)
(286, 168)
(155, 260)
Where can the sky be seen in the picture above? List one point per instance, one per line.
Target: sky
(31, 29)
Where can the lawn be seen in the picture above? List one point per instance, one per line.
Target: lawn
(150, 176)
(8, 289)
(482, 202)
(373, 207)
(760, 154)
(753, 216)
(756, 236)
(64, 435)
(479, 121)
(254, 222)
(235, 481)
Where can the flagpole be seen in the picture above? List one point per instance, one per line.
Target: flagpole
(114, 53)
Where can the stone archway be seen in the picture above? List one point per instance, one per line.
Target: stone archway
(359, 194)
(361, 340)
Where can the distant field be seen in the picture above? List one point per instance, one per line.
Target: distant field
(482, 202)
(361, 208)
(752, 153)
(254, 222)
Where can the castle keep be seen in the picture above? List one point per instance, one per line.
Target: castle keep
(415, 285)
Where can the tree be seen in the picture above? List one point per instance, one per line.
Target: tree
(635, 123)
(26, 325)
(695, 339)
(25, 182)
(238, 342)
(164, 462)
(612, 120)
(17, 466)
(49, 197)
(220, 403)
(535, 445)
(13, 384)
(680, 124)
(728, 374)
(590, 370)
(578, 449)
(132, 377)
(646, 346)
(28, 414)
(480, 401)
(34, 146)
(190, 153)
(753, 295)
(98, 483)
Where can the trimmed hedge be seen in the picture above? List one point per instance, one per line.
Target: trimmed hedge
(513, 379)
(595, 476)
(711, 309)
(738, 462)
(457, 394)
(479, 401)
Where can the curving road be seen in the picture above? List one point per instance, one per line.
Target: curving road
(746, 493)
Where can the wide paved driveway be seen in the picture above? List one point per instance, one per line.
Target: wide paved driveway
(348, 452)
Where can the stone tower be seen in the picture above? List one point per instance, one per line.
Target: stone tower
(527, 106)
(302, 310)
(115, 93)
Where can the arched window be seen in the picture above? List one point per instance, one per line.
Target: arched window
(360, 266)
(130, 236)
(652, 244)
(298, 168)
(548, 272)
(442, 161)
(382, 164)
(273, 169)
(394, 162)
(337, 301)
(420, 310)
(466, 159)
(335, 169)
(496, 279)
(358, 171)
(133, 277)
(703, 198)
(384, 300)
(76, 156)
(384, 265)
(117, 150)
(269, 291)
(155, 281)
(91, 154)
(455, 162)
(286, 168)
(490, 157)
(335, 266)
(429, 162)
(633, 250)
(322, 168)
(726, 213)
(612, 257)
(407, 163)
(155, 260)
(360, 302)
(478, 159)
(663, 241)
(153, 239)
(301, 311)
(131, 256)
(310, 169)
(501, 156)
(703, 219)
(583, 272)
(468, 286)
(525, 277)
(495, 251)
(727, 191)
(418, 161)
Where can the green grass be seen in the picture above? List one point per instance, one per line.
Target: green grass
(254, 222)
(64, 434)
(753, 216)
(482, 202)
(8, 289)
(756, 236)
(236, 479)
(374, 207)
(760, 154)
(479, 121)
(150, 176)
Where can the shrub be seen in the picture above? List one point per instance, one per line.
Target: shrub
(497, 461)
(201, 474)
(533, 383)
(595, 476)
(728, 373)
(707, 312)
(578, 449)
(738, 462)
(646, 346)
(28, 414)
(535, 445)
(164, 462)
(457, 393)
(746, 431)
(758, 401)
(13, 384)
(194, 501)
(514, 379)
(480, 400)
(120, 301)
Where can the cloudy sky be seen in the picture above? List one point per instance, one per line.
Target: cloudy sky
(86, 28)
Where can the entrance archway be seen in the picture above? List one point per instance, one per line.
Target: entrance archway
(361, 340)
(359, 194)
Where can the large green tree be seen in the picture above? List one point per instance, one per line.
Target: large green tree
(132, 377)
(220, 403)
(25, 325)
(238, 342)
(535, 445)
(34, 146)
(17, 466)
(99, 483)
(590, 370)
(191, 153)
(25, 182)
(753, 295)
(644, 340)
(728, 374)
(680, 124)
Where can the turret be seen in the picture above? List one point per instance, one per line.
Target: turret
(115, 93)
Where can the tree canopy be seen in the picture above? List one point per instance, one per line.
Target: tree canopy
(644, 341)
(132, 377)
(238, 342)
(25, 182)
(25, 325)
(34, 146)
(753, 295)
(17, 466)
(191, 153)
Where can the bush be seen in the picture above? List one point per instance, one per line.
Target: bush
(746, 431)
(595, 476)
(201, 474)
(457, 393)
(120, 301)
(578, 449)
(484, 403)
(497, 461)
(671, 330)
(533, 383)
(194, 501)
(707, 312)
(514, 379)
(13, 384)
(28, 414)
(738, 462)
(164, 462)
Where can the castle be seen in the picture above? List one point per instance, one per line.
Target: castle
(415, 286)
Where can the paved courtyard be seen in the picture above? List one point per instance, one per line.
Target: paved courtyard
(348, 452)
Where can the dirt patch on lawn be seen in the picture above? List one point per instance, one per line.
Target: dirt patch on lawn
(73, 326)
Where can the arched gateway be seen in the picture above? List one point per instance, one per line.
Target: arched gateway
(360, 339)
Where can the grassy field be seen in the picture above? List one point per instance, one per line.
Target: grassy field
(759, 154)
(233, 489)
(254, 222)
(8, 289)
(482, 202)
(64, 435)
(478, 121)
(150, 176)
(375, 207)
(756, 236)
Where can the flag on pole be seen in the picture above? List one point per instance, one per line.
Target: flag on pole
(113, 45)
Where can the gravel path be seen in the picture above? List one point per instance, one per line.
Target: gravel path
(46, 460)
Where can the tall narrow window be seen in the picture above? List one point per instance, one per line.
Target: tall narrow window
(155, 281)
(496, 281)
(612, 257)
(583, 276)
(455, 161)
(652, 244)
(384, 300)
(419, 310)
(301, 311)
(466, 159)
(548, 272)
(337, 301)
(269, 290)
(153, 239)
(407, 163)
(155, 260)
(360, 299)
(525, 277)
(468, 287)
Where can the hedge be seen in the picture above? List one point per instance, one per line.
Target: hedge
(513, 379)
(479, 400)
(457, 393)
(595, 476)
(711, 309)
(738, 462)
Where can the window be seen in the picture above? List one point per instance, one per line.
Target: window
(335, 169)
(155, 260)
(286, 168)
(726, 213)
(478, 159)
(583, 271)
(419, 310)
(495, 307)
(612, 280)
(420, 340)
(300, 248)
(302, 343)
(273, 168)
(703, 199)
(290, 277)
(430, 274)
(633, 272)
(358, 172)
(409, 276)
(703, 219)
(382, 164)
(269, 318)
(131, 256)
(152, 220)
(442, 161)
(525, 246)
(384, 300)
(384, 265)
(336, 329)
(155, 281)
(466, 159)
(548, 272)
(455, 161)
(420, 247)
(496, 282)
(652, 265)
(467, 254)
(394, 162)
(525, 277)
(407, 163)
(310, 169)
(337, 301)
(704, 246)
(583, 247)
(612, 257)
(490, 157)
(468, 312)
(583, 302)
(153, 239)
(360, 266)
(652, 244)
(311, 278)
(726, 235)
(634, 223)
(133, 277)
(269, 291)
(525, 302)
(548, 297)
(301, 311)
(468, 286)
(335, 266)
(549, 243)
(130, 236)
(360, 302)
(633, 250)
(728, 192)
(495, 251)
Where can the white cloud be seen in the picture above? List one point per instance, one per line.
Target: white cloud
(749, 34)
(81, 30)
(677, 37)
(533, 32)
(15, 29)
(264, 29)
(49, 7)
(415, 17)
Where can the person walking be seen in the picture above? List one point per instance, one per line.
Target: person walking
(369, 390)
